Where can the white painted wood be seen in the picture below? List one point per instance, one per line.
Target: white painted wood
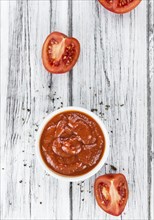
(113, 64)
(27, 84)
(151, 107)
(114, 72)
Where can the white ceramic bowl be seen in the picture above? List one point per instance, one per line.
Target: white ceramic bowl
(91, 172)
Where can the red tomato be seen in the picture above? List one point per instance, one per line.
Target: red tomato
(120, 6)
(60, 53)
(111, 193)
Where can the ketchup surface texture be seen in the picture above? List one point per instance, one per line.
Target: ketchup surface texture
(72, 143)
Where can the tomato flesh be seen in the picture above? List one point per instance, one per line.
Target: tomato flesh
(120, 6)
(60, 53)
(111, 192)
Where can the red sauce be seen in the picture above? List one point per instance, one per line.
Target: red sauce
(72, 143)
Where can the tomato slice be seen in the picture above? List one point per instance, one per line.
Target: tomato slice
(60, 53)
(120, 6)
(111, 193)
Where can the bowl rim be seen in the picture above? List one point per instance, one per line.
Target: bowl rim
(65, 177)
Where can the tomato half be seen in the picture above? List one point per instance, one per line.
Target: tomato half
(60, 53)
(111, 193)
(120, 6)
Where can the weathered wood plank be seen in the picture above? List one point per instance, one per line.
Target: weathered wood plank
(111, 74)
(150, 106)
(29, 193)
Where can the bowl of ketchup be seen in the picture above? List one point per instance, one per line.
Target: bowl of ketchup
(72, 144)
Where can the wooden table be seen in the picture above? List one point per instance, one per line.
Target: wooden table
(113, 78)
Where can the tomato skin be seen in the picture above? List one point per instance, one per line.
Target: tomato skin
(59, 37)
(115, 184)
(119, 10)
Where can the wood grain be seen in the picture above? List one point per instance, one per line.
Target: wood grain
(113, 78)
(115, 75)
(31, 95)
(150, 106)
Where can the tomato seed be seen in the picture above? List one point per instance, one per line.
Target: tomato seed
(56, 63)
(124, 2)
(69, 54)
